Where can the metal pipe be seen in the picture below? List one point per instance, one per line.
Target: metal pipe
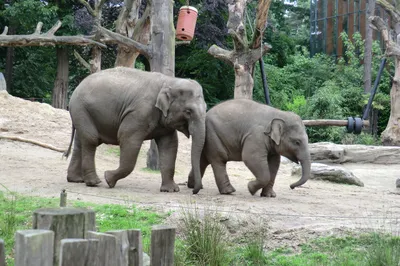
(374, 89)
(264, 81)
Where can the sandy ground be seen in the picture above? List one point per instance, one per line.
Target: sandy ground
(317, 208)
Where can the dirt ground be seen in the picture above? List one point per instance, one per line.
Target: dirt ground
(317, 208)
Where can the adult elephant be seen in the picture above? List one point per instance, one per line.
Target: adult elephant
(257, 134)
(125, 106)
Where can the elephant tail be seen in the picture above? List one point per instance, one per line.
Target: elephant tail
(67, 152)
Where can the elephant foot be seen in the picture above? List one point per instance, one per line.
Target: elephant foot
(111, 182)
(93, 183)
(191, 185)
(75, 179)
(169, 187)
(252, 186)
(269, 193)
(229, 189)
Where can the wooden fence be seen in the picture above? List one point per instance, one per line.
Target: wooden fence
(67, 237)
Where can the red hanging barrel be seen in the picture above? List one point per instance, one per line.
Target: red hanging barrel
(186, 23)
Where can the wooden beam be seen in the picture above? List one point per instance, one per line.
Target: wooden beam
(329, 122)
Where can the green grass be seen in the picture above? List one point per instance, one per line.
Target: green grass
(16, 214)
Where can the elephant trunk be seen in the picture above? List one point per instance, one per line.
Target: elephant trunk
(305, 172)
(197, 130)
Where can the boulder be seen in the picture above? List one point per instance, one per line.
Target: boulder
(146, 259)
(336, 153)
(334, 174)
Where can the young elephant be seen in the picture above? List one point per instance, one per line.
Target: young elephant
(257, 134)
(125, 106)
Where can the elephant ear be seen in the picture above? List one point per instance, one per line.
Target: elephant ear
(164, 99)
(275, 130)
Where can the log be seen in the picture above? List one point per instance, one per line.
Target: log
(34, 247)
(329, 122)
(162, 245)
(106, 251)
(65, 223)
(2, 253)
(135, 248)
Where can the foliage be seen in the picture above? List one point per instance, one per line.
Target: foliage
(317, 88)
(204, 239)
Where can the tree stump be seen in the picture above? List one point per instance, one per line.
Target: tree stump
(162, 245)
(65, 223)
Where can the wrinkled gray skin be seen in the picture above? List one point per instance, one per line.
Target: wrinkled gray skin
(257, 134)
(124, 106)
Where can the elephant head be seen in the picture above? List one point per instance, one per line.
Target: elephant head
(290, 139)
(184, 109)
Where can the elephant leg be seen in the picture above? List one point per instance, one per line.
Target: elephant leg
(203, 166)
(221, 178)
(257, 162)
(167, 150)
(74, 173)
(273, 163)
(88, 164)
(129, 151)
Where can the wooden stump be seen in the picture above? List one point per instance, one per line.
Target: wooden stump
(135, 248)
(78, 252)
(162, 245)
(34, 247)
(2, 253)
(65, 223)
(106, 252)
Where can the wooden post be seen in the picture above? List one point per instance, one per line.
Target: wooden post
(2, 253)
(65, 222)
(63, 198)
(162, 245)
(135, 248)
(78, 252)
(3, 85)
(122, 245)
(34, 247)
(106, 251)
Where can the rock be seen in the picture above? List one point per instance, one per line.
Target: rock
(285, 160)
(398, 183)
(326, 152)
(334, 174)
(336, 153)
(146, 259)
(3, 86)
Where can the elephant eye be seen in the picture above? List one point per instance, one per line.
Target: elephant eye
(188, 112)
(297, 142)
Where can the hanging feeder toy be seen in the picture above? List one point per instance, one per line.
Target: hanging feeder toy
(186, 23)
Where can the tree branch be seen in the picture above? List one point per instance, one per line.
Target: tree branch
(81, 60)
(5, 31)
(177, 43)
(392, 49)
(43, 40)
(237, 39)
(221, 54)
(143, 49)
(257, 53)
(38, 29)
(34, 142)
(261, 23)
(54, 28)
(98, 6)
(395, 15)
(88, 7)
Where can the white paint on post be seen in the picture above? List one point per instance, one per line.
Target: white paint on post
(34, 247)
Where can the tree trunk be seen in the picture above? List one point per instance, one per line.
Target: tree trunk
(163, 51)
(135, 26)
(9, 64)
(368, 47)
(391, 135)
(60, 90)
(245, 54)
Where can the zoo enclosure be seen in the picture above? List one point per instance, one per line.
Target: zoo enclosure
(329, 18)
